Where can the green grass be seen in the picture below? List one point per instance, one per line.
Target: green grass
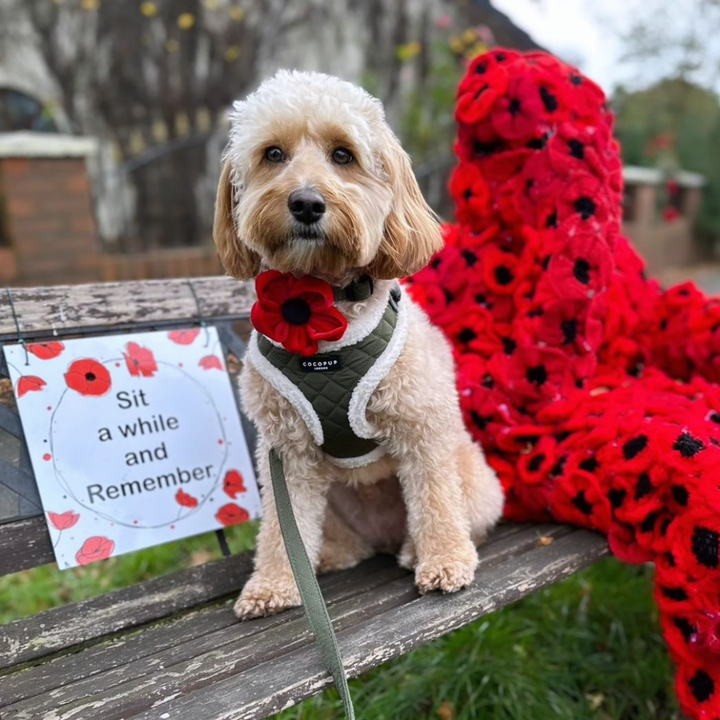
(588, 648)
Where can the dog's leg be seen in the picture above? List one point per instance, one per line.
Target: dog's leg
(483, 492)
(342, 547)
(438, 520)
(272, 588)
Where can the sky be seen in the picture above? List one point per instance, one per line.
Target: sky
(587, 34)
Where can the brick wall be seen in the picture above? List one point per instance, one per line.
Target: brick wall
(49, 221)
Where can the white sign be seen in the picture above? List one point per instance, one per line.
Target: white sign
(135, 440)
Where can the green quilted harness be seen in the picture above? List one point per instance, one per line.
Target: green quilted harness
(330, 390)
(329, 380)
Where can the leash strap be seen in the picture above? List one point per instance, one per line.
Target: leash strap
(313, 602)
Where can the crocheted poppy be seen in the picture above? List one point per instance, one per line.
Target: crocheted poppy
(479, 94)
(517, 112)
(581, 268)
(468, 185)
(296, 312)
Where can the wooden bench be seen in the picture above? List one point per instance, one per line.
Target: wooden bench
(170, 647)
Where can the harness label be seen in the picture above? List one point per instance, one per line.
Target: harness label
(327, 364)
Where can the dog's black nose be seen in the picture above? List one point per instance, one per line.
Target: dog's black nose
(306, 205)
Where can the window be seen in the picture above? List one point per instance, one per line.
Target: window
(19, 111)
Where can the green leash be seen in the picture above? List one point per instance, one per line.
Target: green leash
(313, 602)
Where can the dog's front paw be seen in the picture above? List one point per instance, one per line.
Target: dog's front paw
(260, 600)
(447, 574)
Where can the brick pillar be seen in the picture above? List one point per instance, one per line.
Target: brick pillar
(47, 210)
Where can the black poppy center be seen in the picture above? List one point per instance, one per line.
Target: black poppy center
(701, 685)
(581, 271)
(90, 376)
(581, 503)
(569, 330)
(632, 448)
(483, 149)
(549, 100)
(616, 497)
(575, 79)
(538, 143)
(503, 275)
(509, 345)
(479, 420)
(466, 335)
(688, 446)
(296, 311)
(577, 149)
(706, 547)
(537, 374)
(514, 107)
(480, 68)
(586, 206)
(470, 257)
(536, 463)
(644, 486)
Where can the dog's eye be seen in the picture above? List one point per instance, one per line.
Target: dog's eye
(274, 154)
(342, 156)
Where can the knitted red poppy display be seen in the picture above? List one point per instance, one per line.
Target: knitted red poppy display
(296, 312)
(595, 393)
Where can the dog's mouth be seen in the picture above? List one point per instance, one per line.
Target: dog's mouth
(304, 233)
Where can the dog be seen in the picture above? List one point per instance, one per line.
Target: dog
(315, 183)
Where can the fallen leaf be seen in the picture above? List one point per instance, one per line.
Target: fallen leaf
(545, 540)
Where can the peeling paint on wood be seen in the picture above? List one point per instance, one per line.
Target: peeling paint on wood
(49, 311)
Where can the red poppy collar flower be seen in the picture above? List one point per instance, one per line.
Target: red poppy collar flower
(296, 312)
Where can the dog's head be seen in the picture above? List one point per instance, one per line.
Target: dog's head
(315, 182)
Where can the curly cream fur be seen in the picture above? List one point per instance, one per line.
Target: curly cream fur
(432, 497)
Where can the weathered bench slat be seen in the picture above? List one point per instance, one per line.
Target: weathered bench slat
(24, 544)
(116, 306)
(31, 638)
(266, 689)
(54, 630)
(233, 648)
(206, 628)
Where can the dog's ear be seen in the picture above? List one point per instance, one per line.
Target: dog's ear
(412, 234)
(237, 258)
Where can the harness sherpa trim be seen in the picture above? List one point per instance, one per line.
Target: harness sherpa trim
(286, 388)
(333, 402)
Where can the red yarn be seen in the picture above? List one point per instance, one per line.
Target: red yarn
(595, 394)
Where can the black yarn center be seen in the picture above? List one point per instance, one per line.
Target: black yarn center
(503, 275)
(585, 206)
(569, 330)
(705, 546)
(680, 494)
(701, 685)
(632, 448)
(549, 100)
(581, 503)
(577, 149)
(537, 375)
(296, 311)
(688, 446)
(581, 271)
(644, 486)
(514, 107)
